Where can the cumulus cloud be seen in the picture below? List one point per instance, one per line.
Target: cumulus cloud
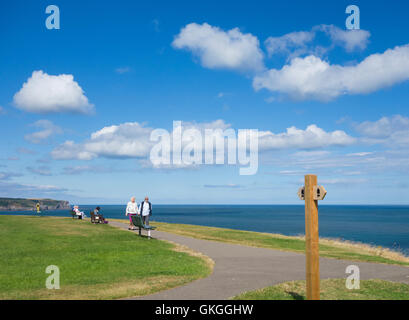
(384, 127)
(43, 93)
(217, 48)
(132, 140)
(311, 138)
(313, 78)
(392, 131)
(127, 140)
(47, 129)
(307, 75)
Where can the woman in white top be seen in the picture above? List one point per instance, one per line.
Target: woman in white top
(131, 210)
(79, 213)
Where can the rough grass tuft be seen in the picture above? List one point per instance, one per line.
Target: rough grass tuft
(331, 289)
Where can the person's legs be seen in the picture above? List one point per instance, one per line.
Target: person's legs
(131, 226)
(146, 223)
(146, 220)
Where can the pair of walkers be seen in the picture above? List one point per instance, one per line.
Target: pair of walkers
(144, 210)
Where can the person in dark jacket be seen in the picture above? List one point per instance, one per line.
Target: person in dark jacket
(145, 211)
(99, 215)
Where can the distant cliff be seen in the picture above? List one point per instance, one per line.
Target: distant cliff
(17, 204)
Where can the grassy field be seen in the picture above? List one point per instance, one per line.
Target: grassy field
(332, 289)
(95, 261)
(328, 248)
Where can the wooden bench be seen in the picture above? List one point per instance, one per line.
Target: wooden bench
(137, 222)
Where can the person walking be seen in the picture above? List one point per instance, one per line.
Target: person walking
(146, 211)
(131, 210)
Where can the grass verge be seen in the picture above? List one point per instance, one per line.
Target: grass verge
(328, 248)
(331, 289)
(95, 261)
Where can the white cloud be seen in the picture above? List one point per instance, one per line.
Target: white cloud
(70, 150)
(132, 140)
(313, 78)
(383, 127)
(359, 154)
(392, 131)
(43, 93)
(48, 129)
(221, 49)
(294, 41)
(74, 170)
(8, 189)
(2, 111)
(127, 140)
(349, 39)
(299, 43)
(311, 138)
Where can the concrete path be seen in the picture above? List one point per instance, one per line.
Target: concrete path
(239, 268)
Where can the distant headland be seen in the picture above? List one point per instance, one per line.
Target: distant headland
(20, 204)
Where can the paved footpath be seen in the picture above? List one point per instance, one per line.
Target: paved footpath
(239, 268)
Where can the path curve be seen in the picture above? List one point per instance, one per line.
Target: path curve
(239, 268)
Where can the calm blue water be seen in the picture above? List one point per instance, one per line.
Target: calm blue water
(387, 226)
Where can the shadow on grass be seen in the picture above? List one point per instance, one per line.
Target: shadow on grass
(295, 295)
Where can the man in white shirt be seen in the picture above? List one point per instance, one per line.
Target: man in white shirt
(146, 211)
(131, 210)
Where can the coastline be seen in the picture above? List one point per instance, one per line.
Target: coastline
(377, 227)
(23, 204)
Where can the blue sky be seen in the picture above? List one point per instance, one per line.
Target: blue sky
(266, 65)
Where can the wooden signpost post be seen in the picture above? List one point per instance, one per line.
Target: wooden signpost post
(311, 193)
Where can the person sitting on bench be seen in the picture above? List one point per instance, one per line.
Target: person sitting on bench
(80, 214)
(99, 215)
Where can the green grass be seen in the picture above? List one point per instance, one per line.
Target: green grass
(95, 261)
(328, 248)
(332, 289)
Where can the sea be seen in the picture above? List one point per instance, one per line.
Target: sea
(378, 225)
